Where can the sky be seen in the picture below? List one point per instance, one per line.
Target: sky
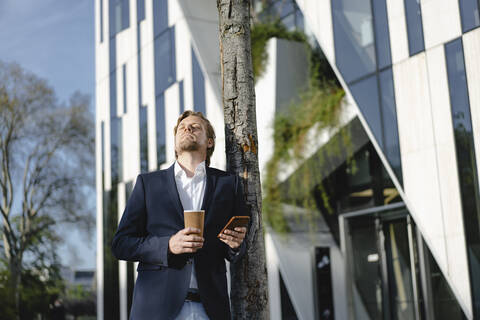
(54, 39)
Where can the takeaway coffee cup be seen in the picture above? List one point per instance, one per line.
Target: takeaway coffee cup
(194, 219)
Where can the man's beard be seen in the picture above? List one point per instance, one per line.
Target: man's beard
(188, 145)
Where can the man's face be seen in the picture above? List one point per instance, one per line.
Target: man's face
(192, 136)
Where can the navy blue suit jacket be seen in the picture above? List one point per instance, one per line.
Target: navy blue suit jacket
(153, 214)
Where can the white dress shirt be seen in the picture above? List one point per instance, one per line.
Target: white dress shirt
(191, 191)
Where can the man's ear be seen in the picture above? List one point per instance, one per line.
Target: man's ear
(210, 143)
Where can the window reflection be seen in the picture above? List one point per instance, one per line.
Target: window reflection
(164, 60)
(365, 93)
(143, 125)
(198, 85)
(469, 14)
(413, 14)
(391, 144)
(466, 163)
(160, 129)
(354, 39)
(116, 149)
(119, 16)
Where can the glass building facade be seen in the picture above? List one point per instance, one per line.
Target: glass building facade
(362, 52)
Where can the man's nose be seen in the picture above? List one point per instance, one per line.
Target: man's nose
(188, 128)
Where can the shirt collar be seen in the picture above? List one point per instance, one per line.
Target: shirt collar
(200, 171)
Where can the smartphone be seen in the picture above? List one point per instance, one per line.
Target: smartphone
(236, 221)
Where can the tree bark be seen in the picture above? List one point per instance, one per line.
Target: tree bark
(249, 295)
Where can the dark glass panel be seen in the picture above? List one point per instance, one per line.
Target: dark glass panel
(113, 78)
(444, 304)
(119, 16)
(102, 151)
(469, 13)
(116, 149)
(160, 129)
(413, 14)
(100, 13)
(160, 16)
(391, 144)
(382, 36)
(365, 93)
(324, 283)
(354, 38)
(141, 10)
(402, 304)
(288, 311)
(467, 166)
(365, 267)
(111, 289)
(181, 97)
(164, 60)
(143, 139)
(198, 85)
(124, 87)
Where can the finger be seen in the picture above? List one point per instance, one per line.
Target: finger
(193, 244)
(241, 229)
(193, 238)
(190, 230)
(231, 244)
(235, 234)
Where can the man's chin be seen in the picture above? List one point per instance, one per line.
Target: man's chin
(191, 146)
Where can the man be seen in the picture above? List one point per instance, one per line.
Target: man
(180, 274)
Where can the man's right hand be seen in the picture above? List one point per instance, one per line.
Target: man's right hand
(185, 241)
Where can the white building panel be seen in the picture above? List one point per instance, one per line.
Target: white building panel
(398, 30)
(457, 264)
(419, 163)
(172, 111)
(441, 21)
(319, 17)
(471, 51)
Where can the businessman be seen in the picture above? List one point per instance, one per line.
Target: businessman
(180, 274)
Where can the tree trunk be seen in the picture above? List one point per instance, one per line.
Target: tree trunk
(249, 296)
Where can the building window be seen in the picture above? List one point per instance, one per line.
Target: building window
(181, 97)
(116, 149)
(382, 36)
(160, 16)
(101, 19)
(143, 124)
(164, 60)
(124, 87)
(141, 10)
(365, 93)
(119, 16)
(198, 85)
(102, 151)
(160, 129)
(353, 38)
(391, 144)
(469, 13)
(413, 15)
(111, 288)
(467, 166)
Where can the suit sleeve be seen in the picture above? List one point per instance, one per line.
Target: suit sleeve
(131, 241)
(240, 210)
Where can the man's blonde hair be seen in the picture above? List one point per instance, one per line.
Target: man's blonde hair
(208, 125)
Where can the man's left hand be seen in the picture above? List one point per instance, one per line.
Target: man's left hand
(233, 238)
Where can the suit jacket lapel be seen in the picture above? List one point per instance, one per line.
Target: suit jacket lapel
(209, 191)
(172, 190)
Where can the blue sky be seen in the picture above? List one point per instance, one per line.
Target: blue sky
(55, 40)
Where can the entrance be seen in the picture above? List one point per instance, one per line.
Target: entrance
(391, 273)
(382, 266)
